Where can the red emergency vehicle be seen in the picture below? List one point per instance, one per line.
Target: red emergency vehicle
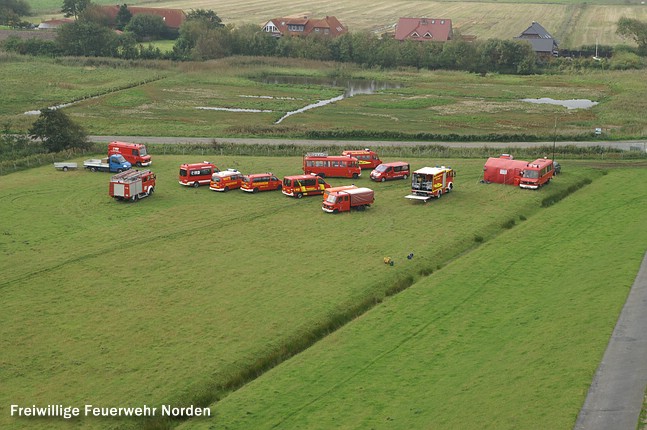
(345, 200)
(135, 153)
(388, 171)
(340, 166)
(503, 170)
(537, 173)
(367, 159)
(303, 185)
(197, 174)
(261, 182)
(431, 182)
(132, 185)
(226, 180)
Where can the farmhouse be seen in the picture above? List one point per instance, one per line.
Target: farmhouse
(54, 23)
(304, 26)
(542, 42)
(173, 18)
(424, 29)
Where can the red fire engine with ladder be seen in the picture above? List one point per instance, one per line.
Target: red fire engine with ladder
(132, 185)
(431, 182)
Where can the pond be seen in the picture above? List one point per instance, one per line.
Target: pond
(569, 104)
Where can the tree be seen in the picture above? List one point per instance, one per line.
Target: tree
(209, 16)
(123, 17)
(146, 27)
(634, 29)
(74, 7)
(86, 39)
(12, 10)
(57, 131)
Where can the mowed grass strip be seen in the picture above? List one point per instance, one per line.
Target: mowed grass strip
(509, 336)
(161, 301)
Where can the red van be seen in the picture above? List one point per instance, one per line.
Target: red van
(260, 182)
(367, 159)
(388, 171)
(197, 174)
(303, 185)
(229, 179)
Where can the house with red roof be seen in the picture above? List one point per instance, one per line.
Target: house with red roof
(424, 29)
(173, 18)
(304, 26)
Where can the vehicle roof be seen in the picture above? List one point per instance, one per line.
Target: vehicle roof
(332, 157)
(225, 173)
(126, 143)
(254, 175)
(432, 170)
(395, 163)
(302, 176)
(358, 151)
(204, 163)
(539, 163)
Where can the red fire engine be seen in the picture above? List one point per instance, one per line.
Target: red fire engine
(321, 164)
(431, 182)
(197, 174)
(367, 159)
(135, 153)
(132, 185)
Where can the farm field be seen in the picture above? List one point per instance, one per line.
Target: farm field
(182, 295)
(425, 102)
(573, 23)
(506, 337)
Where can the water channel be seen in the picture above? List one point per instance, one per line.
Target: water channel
(569, 104)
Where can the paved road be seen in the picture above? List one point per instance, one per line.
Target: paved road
(615, 398)
(625, 145)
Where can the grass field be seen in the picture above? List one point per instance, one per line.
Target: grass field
(506, 337)
(573, 23)
(427, 102)
(171, 298)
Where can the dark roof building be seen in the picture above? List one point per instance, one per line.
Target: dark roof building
(542, 42)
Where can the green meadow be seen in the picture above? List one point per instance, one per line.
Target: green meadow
(185, 296)
(506, 337)
(166, 99)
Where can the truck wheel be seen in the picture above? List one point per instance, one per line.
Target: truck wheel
(138, 164)
(361, 208)
(119, 170)
(93, 169)
(255, 190)
(440, 194)
(65, 168)
(225, 189)
(335, 211)
(150, 190)
(383, 179)
(355, 176)
(405, 177)
(196, 184)
(299, 195)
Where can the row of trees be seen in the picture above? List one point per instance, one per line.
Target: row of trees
(12, 11)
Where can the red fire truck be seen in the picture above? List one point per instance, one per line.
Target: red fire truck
(537, 173)
(260, 182)
(197, 174)
(224, 181)
(321, 164)
(132, 185)
(135, 153)
(345, 200)
(431, 182)
(303, 185)
(367, 159)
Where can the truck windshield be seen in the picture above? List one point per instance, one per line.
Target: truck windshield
(182, 172)
(381, 168)
(531, 174)
(119, 158)
(142, 151)
(331, 199)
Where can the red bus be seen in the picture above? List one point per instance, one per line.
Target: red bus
(367, 159)
(303, 185)
(321, 164)
(196, 174)
(537, 173)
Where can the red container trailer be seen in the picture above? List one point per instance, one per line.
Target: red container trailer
(135, 153)
(303, 185)
(340, 166)
(507, 170)
(132, 185)
(367, 159)
(196, 174)
(345, 200)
